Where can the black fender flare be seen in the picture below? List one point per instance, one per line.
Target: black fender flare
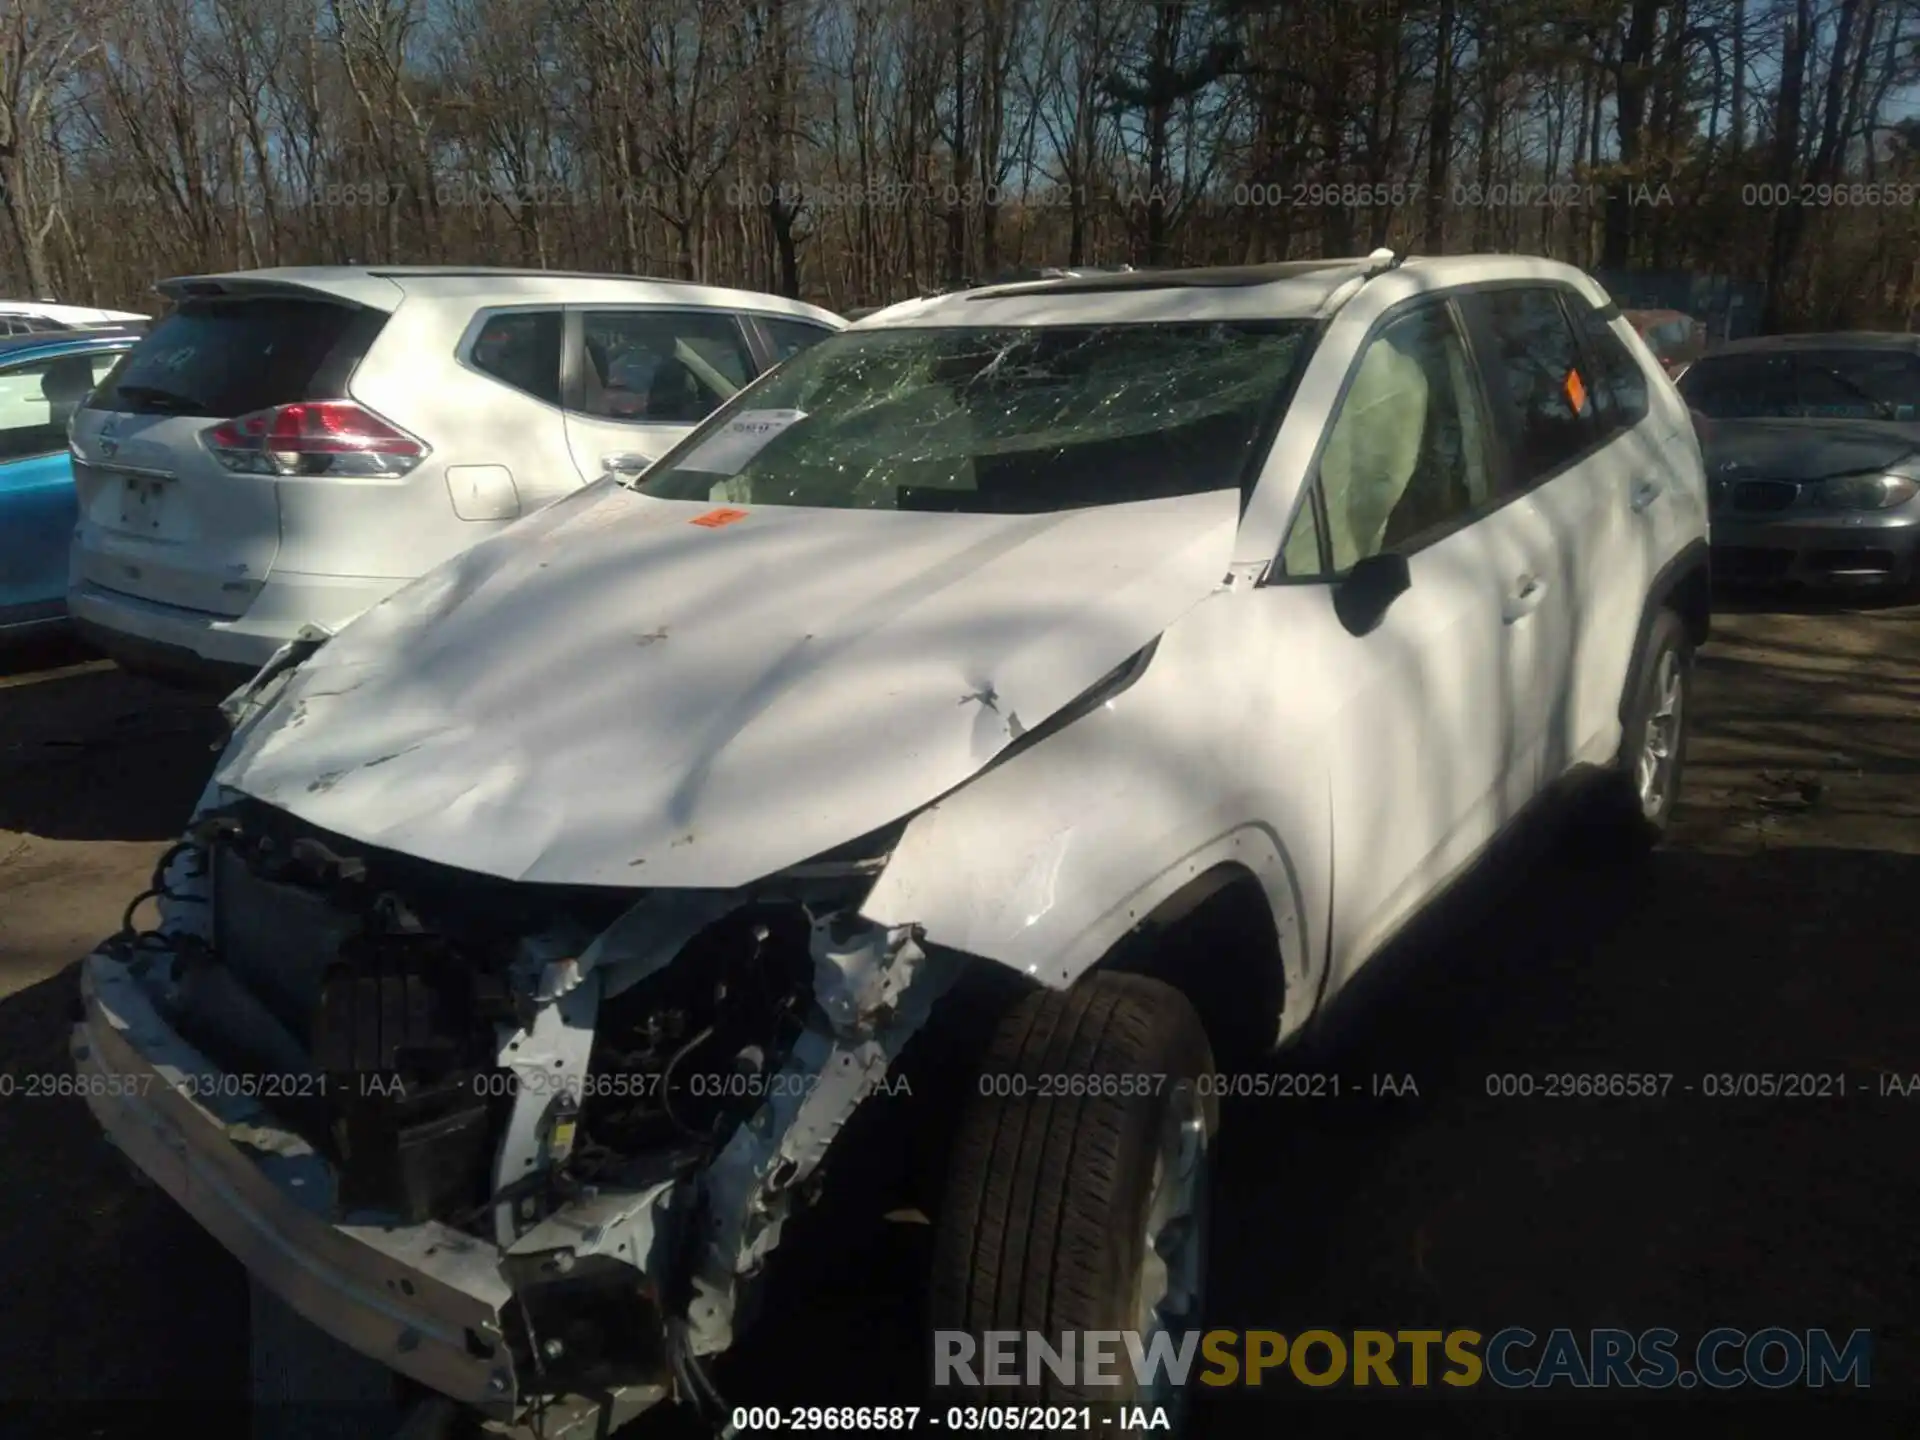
(1685, 585)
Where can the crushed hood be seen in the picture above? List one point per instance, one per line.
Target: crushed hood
(619, 691)
(1787, 449)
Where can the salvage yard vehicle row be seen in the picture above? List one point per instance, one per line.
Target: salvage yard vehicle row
(972, 656)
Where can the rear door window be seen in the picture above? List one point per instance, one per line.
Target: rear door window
(1536, 372)
(229, 357)
(660, 366)
(1619, 385)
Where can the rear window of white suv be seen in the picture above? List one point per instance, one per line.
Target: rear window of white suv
(233, 356)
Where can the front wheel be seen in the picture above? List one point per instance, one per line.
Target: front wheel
(1078, 1192)
(1644, 785)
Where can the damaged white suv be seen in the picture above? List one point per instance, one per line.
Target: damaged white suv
(1133, 653)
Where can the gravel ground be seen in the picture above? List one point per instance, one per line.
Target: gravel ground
(1774, 934)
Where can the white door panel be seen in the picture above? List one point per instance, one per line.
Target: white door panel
(1431, 741)
(1561, 394)
(599, 446)
(1424, 747)
(1549, 526)
(1597, 532)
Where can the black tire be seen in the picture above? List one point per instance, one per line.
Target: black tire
(306, 1385)
(1625, 822)
(1044, 1221)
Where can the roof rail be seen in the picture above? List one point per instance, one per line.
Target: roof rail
(1380, 262)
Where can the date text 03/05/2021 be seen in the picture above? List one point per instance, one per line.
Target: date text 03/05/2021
(212, 1085)
(923, 1420)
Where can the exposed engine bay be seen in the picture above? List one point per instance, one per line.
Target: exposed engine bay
(618, 1091)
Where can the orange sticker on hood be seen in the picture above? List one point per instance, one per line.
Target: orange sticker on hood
(714, 519)
(1577, 392)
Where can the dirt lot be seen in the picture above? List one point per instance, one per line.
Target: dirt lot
(1775, 934)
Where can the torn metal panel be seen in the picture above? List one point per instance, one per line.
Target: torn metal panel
(500, 716)
(253, 697)
(886, 989)
(625, 1224)
(548, 1060)
(860, 971)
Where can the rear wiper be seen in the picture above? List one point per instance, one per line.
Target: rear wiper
(154, 395)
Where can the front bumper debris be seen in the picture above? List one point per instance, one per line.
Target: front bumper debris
(426, 1300)
(664, 1259)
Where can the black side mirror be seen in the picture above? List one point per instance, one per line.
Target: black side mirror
(1363, 598)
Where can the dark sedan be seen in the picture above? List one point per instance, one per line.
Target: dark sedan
(1812, 447)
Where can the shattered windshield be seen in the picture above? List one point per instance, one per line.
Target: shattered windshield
(1000, 421)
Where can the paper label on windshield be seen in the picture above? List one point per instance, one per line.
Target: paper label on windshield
(728, 450)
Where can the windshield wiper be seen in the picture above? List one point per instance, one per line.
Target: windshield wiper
(1886, 410)
(154, 395)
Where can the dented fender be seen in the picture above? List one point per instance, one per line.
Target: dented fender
(1045, 862)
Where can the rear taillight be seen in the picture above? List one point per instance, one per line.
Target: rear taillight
(313, 437)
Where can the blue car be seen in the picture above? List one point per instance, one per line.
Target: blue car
(43, 380)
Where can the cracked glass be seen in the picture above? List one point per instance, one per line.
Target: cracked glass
(998, 421)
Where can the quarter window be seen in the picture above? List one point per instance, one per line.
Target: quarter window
(1300, 556)
(790, 337)
(1407, 457)
(1535, 366)
(661, 366)
(522, 348)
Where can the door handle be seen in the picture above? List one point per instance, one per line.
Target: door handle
(624, 462)
(1528, 591)
(1645, 492)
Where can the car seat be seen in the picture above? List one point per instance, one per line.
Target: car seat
(674, 393)
(66, 384)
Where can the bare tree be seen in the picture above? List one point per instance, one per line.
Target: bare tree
(39, 48)
(860, 150)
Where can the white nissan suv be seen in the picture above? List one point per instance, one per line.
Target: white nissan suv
(1051, 687)
(289, 446)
